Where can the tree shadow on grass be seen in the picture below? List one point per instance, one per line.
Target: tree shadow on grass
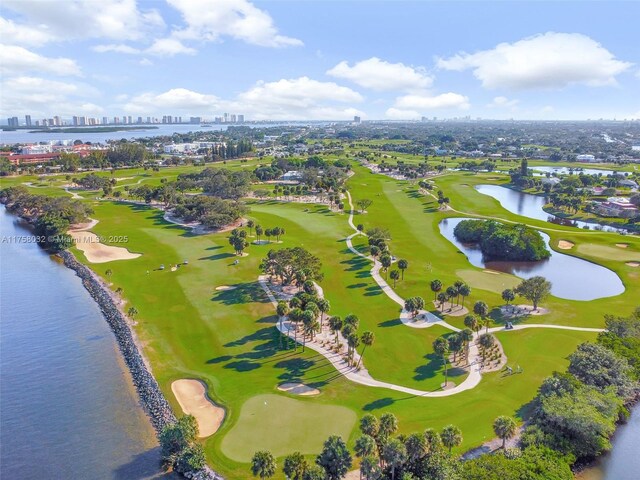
(378, 404)
(355, 264)
(390, 323)
(243, 366)
(430, 369)
(219, 256)
(373, 291)
(241, 293)
(357, 285)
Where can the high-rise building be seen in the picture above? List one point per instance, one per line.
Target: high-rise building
(139, 119)
(27, 120)
(116, 120)
(240, 118)
(57, 121)
(195, 120)
(105, 120)
(76, 121)
(13, 122)
(129, 119)
(226, 118)
(356, 119)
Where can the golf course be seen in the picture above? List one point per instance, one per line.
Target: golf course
(201, 312)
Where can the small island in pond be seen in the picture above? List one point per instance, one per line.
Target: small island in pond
(499, 241)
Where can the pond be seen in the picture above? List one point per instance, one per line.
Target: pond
(529, 205)
(572, 278)
(575, 171)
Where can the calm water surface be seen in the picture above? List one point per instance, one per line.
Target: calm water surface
(69, 410)
(529, 205)
(571, 277)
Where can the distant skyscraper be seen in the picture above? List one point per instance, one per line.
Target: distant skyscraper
(76, 121)
(27, 120)
(13, 122)
(226, 117)
(57, 121)
(240, 118)
(356, 119)
(105, 120)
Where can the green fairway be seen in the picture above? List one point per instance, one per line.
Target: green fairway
(276, 423)
(609, 253)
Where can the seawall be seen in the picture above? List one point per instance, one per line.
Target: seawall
(151, 397)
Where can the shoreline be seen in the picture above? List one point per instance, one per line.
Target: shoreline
(151, 398)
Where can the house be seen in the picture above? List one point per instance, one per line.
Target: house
(291, 176)
(628, 183)
(553, 181)
(617, 207)
(586, 158)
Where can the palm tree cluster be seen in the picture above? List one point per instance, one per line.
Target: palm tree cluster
(458, 290)
(276, 232)
(304, 308)
(383, 455)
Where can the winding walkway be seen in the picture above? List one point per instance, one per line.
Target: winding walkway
(424, 319)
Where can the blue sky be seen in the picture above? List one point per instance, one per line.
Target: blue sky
(320, 59)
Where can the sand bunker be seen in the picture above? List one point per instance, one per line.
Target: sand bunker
(224, 288)
(298, 389)
(565, 245)
(96, 252)
(491, 272)
(192, 397)
(622, 245)
(633, 264)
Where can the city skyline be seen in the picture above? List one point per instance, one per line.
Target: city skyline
(275, 60)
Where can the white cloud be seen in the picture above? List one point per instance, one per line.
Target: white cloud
(287, 99)
(503, 102)
(145, 62)
(448, 100)
(176, 99)
(40, 96)
(168, 47)
(210, 20)
(550, 60)
(380, 75)
(16, 60)
(74, 19)
(22, 34)
(118, 48)
(400, 114)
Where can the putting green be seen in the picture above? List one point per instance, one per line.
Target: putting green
(283, 425)
(608, 253)
(492, 281)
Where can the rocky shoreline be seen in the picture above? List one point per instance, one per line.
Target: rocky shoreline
(151, 397)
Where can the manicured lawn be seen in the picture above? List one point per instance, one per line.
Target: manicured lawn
(275, 423)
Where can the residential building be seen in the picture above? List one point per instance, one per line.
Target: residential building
(13, 122)
(27, 120)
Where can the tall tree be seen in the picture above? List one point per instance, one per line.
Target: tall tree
(263, 464)
(295, 466)
(395, 275)
(335, 458)
(508, 295)
(436, 286)
(403, 265)
(394, 455)
(367, 340)
(441, 348)
(335, 324)
(505, 428)
(451, 436)
(385, 260)
(464, 291)
(535, 289)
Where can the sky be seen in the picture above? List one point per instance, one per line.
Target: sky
(320, 60)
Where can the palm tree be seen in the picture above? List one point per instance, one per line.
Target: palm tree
(505, 428)
(403, 265)
(394, 455)
(465, 291)
(334, 458)
(282, 310)
(132, 312)
(395, 275)
(441, 347)
(367, 340)
(335, 324)
(482, 309)
(324, 306)
(250, 225)
(452, 292)
(470, 321)
(108, 273)
(385, 260)
(353, 341)
(259, 231)
(442, 297)
(295, 466)
(263, 464)
(451, 436)
(436, 286)
(467, 337)
(370, 468)
(458, 285)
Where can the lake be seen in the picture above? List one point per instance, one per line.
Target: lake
(529, 205)
(572, 278)
(69, 408)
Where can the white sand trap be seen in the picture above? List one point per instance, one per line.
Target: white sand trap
(96, 252)
(192, 397)
(298, 389)
(224, 288)
(622, 245)
(565, 245)
(633, 264)
(491, 272)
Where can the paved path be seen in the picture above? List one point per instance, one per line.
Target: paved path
(424, 319)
